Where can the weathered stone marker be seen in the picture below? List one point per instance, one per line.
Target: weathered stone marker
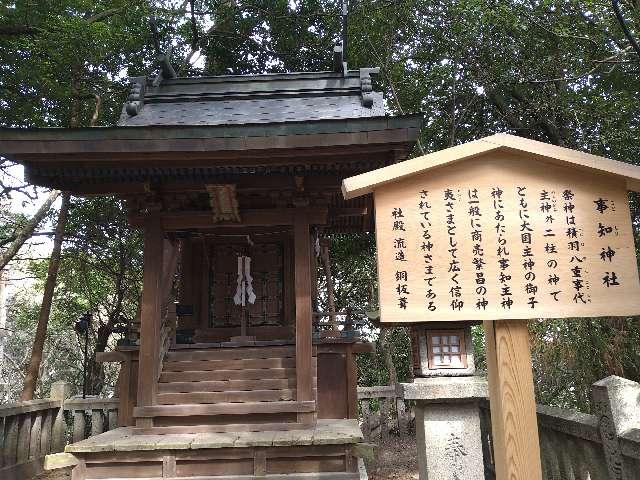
(501, 230)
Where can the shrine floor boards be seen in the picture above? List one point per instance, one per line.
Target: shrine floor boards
(323, 452)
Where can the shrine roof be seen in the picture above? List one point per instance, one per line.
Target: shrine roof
(252, 99)
(368, 182)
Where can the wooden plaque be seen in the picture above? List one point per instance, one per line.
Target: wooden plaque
(505, 236)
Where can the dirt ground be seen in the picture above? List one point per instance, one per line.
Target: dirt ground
(396, 459)
(62, 474)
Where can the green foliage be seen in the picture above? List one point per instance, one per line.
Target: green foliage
(55, 57)
(372, 369)
(556, 70)
(100, 273)
(569, 355)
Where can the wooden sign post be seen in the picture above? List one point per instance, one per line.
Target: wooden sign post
(503, 230)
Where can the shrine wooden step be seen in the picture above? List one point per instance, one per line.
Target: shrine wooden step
(308, 453)
(220, 428)
(244, 408)
(277, 476)
(231, 353)
(225, 397)
(228, 385)
(241, 364)
(234, 374)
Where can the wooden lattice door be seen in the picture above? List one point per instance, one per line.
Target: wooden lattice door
(267, 266)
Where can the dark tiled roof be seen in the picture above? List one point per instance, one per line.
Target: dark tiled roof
(251, 99)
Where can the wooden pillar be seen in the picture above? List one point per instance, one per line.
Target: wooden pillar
(150, 315)
(514, 423)
(302, 261)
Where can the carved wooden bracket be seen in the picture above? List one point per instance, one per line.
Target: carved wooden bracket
(224, 203)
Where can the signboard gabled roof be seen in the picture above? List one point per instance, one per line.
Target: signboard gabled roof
(367, 182)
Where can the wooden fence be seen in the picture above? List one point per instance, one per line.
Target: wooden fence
(574, 445)
(382, 410)
(31, 430)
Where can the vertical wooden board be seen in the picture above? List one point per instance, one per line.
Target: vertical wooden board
(304, 378)
(505, 237)
(288, 284)
(150, 311)
(79, 472)
(332, 386)
(58, 431)
(169, 466)
(259, 462)
(47, 427)
(514, 424)
(205, 267)
(10, 440)
(112, 419)
(36, 434)
(186, 282)
(97, 422)
(24, 438)
(124, 392)
(3, 438)
(79, 426)
(352, 383)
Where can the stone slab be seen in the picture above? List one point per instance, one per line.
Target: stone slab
(214, 440)
(326, 432)
(445, 389)
(105, 442)
(55, 461)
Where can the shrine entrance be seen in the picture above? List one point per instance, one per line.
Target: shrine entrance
(245, 290)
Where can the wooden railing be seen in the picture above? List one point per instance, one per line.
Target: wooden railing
(381, 411)
(573, 445)
(90, 416)
(570, 445)
(329, 324)
(167, 334)
(168, 308)
(31, 430)
(580, 446)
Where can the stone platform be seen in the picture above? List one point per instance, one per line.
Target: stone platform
(327, 451)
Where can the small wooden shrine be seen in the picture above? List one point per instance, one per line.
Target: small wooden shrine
(231, 371)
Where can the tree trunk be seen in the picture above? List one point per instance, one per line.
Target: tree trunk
(387, 355)
(26, 231)
(33, 370)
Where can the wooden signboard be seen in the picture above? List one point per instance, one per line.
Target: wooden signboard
(504, 237)
(500, 237)
(504, 229)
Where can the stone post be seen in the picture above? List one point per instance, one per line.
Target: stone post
(59, 391)
(616, 402)
(446, 395)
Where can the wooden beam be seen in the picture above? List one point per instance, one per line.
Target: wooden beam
(250, 218)
(514, 424)
(302, 267)
(150, 312)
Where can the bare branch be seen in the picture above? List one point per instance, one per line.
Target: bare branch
(27, 230)
(624, 26)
